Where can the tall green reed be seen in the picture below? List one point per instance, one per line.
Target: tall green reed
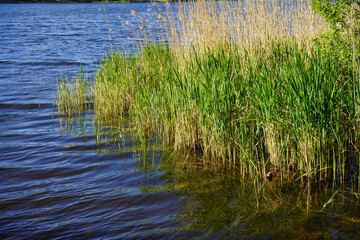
(236, 109)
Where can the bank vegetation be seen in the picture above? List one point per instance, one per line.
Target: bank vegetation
(248, 85)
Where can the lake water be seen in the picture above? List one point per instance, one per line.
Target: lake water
(64, 182)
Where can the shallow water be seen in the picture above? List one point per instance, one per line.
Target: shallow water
(63, 181)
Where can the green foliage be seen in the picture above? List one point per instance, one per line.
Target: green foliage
(337, 13)
(342, 40)
(282, 106)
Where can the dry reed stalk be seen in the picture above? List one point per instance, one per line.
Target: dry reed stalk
(250, 24)
(110, 100)
(306, 153)
(272, 144)
(188, 133)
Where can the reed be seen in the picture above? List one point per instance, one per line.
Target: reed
(241, 84)
(253, 25)
(74, 96)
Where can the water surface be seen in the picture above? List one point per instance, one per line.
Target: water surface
(63, 181)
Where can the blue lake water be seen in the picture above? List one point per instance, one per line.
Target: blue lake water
(59, 183)
(63, 182)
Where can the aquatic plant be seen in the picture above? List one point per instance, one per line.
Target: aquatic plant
(74, 96)
(237, 93)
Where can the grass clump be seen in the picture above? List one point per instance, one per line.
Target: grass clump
(249, 110)
(74, 96)
(236, 93)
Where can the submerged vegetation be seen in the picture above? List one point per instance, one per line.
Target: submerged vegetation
(247, 85)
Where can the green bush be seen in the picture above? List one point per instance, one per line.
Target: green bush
(342, 40)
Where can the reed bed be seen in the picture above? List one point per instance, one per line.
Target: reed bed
(241, 84)
(74, 96)
(251, 24)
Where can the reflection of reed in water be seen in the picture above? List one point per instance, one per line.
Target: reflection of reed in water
(222, 204)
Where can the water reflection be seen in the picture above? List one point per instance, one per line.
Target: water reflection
(222, 204)
(217, 202)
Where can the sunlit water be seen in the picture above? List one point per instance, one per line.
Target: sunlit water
(60, 181)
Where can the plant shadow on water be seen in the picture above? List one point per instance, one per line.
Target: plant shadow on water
(220, 203)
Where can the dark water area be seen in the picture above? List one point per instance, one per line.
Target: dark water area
(63, 181)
